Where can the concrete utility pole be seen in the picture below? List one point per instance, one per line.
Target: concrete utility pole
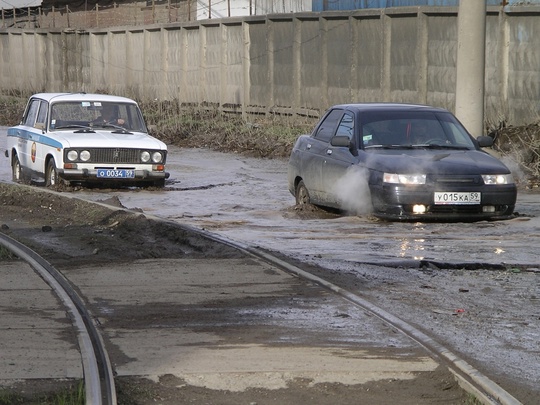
(470, 69)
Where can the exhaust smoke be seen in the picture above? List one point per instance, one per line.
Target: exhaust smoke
(352, 191)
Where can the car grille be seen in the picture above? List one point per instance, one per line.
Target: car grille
(116, 155)
(458, 179)
(463, 209)
(455, 209)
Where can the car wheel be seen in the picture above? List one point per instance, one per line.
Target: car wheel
(51, 174)
(302, 194)
(16, 170)
(159, 183)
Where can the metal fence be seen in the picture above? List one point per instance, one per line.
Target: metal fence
(105, 14)
(109, 14)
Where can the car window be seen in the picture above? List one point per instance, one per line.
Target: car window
(327, 128)
(31, 113)
(41, 119)
(96, 114)
(346, 126)
(455, 130)
(408, 128)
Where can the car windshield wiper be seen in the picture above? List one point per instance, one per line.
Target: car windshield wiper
(388, 147)
(81, 128)
(439, 146)
(418, 146)
(119, 129)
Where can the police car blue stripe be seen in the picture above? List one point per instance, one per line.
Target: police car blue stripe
(35, 137)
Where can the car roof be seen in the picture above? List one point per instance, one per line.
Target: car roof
(362, 107)
(56, 97)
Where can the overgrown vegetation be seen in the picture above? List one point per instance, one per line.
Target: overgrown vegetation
(273, 136)
(5, 254)
(260, 136)
(74, 395)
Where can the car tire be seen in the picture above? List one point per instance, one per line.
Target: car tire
(302, 194)
(51, 174)
(16, 170)
(159, 183)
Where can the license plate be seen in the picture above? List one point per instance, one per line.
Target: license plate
(116, 174)
(443, 198)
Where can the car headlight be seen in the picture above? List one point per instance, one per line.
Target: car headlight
(412, 179)
(85, 155)
(145, 156)
(72, 155)
(497, 179)
(157, 157)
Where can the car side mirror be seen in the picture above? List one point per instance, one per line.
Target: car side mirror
(485, 141)
(344, 141)
(341, 140)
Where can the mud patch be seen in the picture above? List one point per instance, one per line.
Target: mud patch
(171, 390)
(64, 229)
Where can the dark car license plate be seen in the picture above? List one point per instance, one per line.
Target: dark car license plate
(116, 174)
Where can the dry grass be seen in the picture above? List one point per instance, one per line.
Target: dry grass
(209, 128)
(274, 136)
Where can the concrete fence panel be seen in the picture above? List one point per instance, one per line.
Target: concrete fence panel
(297, 63)
(523, 71)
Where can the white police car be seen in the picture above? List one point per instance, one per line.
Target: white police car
(85, 138)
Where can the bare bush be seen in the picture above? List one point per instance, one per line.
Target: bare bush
(520, 148)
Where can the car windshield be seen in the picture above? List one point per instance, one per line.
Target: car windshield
(414, 129)
(96, 114)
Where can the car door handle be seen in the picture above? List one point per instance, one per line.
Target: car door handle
(308, 146)
(328, 151)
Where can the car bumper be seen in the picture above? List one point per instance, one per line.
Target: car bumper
(399, 202)
(91, 175)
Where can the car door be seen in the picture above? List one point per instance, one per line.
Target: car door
(338, 159)
(314, 156)
(40, 143)
(26, 143)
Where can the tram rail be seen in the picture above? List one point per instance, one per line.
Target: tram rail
(98, 375)
(471, 379)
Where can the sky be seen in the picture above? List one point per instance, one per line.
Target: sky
(19, 3)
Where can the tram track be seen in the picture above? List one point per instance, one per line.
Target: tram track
(98, 375)
(471, 379)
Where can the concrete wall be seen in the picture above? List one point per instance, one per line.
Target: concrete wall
(286, 63)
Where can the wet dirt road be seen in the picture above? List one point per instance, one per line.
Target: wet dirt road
(422, 272)
(414, 270)
(247, 200)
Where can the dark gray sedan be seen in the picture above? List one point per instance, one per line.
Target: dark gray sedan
(399, 161)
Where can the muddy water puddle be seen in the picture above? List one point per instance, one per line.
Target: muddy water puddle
(247, 200)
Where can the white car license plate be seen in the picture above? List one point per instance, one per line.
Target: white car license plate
(116, 174)
(442, 198)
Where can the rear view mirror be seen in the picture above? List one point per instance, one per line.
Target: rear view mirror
(485, 141)
(341, 141)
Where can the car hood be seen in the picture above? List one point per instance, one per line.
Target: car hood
(108, 139)
(435, 161)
